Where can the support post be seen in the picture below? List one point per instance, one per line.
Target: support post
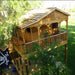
(66, 52)
(31, 34)
(59, 24)
(39, 34)
(66, 39)
(59, 27)
(66, 28)
(23, 35)
(18, 36)
(66, 25)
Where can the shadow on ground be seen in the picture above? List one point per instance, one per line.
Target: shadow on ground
(71, 48)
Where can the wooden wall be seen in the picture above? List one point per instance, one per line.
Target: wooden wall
(45, 23)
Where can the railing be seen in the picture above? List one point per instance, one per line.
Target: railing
(22, 64)
(25, 66)
(58, 37)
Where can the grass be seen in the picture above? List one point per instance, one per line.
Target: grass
(71, 43)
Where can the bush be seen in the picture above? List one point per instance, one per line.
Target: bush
(45, 60)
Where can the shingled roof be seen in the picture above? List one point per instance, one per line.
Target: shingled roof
(36, 15)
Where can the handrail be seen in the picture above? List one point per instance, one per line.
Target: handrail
(42, 39)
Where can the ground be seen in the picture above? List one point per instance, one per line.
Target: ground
(71, 43)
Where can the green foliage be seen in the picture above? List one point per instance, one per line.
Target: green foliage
(18, 8)
(5, 33)
(46, 60)
(12, 10)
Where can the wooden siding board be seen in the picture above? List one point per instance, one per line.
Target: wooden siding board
(60, 16)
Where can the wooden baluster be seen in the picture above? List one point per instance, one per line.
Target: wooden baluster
(26, 66)
(19, 66)
(23, 64)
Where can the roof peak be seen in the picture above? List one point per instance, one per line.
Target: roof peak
(34, 16)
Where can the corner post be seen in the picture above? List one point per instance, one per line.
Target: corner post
(39, 34)
(59, 28)
(31, 34)
(66, 52)
(23, 35)
(59, 31)
(66, 28)
(66, 46)
(66, 25)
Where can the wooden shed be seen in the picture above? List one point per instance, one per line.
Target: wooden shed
(36, 23)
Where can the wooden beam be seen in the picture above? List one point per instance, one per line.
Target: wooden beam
(66, 52)
(59, 31)
(59, 27)
(23, 35)
(25, 56)
(66, 28)
(39, 34)
(66, 25)
(18, 36)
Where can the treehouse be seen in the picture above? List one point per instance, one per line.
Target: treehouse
(36, 26)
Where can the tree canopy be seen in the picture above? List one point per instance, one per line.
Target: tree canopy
(11, 10)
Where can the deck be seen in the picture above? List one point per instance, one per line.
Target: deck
(20, 46)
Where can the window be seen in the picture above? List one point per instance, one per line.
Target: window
(28, 30)
(54, 25)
